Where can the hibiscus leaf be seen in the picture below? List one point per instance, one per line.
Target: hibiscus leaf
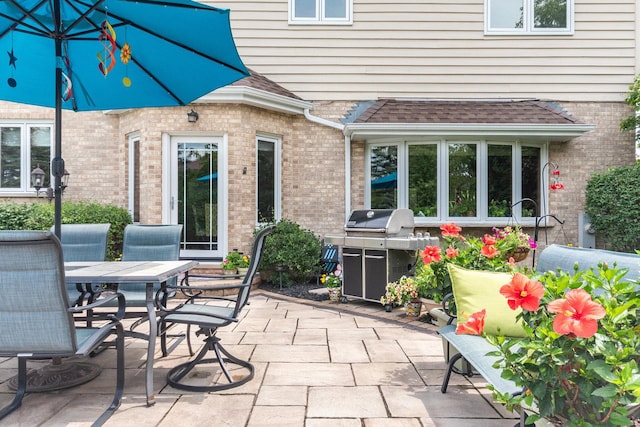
(603, 370)
(607, 391)
(619, 419)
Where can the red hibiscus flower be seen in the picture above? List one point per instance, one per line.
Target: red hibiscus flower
(523, 292)
(452, 252)
(489, 251)
(474, 324)
(576, 314)
(489, 239)
(431, 254)
(450, 230)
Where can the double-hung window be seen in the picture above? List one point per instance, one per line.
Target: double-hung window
(320, 11)
(23, 147)
(529, 17)
(461, 181)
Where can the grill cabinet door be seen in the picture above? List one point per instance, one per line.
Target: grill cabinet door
(375, 274)
(352, 271)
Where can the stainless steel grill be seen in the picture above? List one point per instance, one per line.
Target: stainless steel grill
(379, 246)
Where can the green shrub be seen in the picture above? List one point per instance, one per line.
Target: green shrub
(612, 203)
(631, 123)
(293, 248)
(40, 216)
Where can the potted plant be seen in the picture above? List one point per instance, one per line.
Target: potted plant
(580, 352)
(333, 282)
(404, 292)
(230, 263)
(243, 264)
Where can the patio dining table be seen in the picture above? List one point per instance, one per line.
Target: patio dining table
(147, 274)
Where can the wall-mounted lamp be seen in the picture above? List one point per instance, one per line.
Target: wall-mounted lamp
(37, 181)
(192, 116)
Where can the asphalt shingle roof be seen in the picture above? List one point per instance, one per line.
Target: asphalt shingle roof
(465, 112)
(258, 81)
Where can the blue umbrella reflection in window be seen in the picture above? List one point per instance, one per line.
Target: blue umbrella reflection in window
(386, 181)
(211, 177)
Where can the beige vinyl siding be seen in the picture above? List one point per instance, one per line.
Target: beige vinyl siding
(438, 49)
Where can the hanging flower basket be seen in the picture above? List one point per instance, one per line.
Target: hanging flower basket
(518, 254)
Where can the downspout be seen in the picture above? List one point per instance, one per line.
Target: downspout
(347, 156)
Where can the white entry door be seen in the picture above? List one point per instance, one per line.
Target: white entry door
(197, 194)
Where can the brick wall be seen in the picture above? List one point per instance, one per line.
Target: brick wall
(96, 154)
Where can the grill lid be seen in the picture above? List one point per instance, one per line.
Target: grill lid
(392, 222)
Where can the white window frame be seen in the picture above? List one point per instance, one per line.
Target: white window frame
(528, 27)
(320, 18)
(134, 141)
(442, 216)
(26, 189)
(277, 178)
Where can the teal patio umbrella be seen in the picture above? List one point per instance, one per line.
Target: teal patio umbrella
(86, 55)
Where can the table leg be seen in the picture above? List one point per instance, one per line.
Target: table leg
(151, 348)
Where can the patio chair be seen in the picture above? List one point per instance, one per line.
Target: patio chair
(329, 260)
(147, 243)
(199, 311)
(35, 317)
(83, 242)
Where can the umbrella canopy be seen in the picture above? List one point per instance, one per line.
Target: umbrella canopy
(178, 50)
(88, 55)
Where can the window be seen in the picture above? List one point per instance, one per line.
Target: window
(456, 180)
(320, 11)
(268, 180)
(23, 147)
(529, 17)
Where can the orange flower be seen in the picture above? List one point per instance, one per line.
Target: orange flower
(450, 230)
(474, 324)
(577, 314)
(489, 239)
(431, 254)
(489, 251)
(452, 252)
(523, 292)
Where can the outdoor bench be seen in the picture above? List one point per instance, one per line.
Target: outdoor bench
(471, 350)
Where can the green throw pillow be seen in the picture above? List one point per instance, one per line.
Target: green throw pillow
(474, 290)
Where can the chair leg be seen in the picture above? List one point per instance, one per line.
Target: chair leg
(223, 357)
(447, 375)
(22, 387)
(117, 398)
(191, 353)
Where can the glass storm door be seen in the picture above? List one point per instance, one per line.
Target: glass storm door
(197, 188)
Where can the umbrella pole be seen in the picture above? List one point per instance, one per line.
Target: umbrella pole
(57, 164)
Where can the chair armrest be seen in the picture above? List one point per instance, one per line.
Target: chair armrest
(184, 310)
(119, 315)
(448, 306)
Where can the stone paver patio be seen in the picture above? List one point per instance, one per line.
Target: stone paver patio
(317, 365)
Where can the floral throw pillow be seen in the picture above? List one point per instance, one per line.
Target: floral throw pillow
(477, 290)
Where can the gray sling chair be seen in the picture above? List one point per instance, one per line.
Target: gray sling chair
(83, 242)
(148, 243)
(199, 311)
(36, 319)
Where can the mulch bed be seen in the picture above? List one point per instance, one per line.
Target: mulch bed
(296, 291)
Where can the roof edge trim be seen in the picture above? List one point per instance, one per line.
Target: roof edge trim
(255, 97)
(363, 131)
